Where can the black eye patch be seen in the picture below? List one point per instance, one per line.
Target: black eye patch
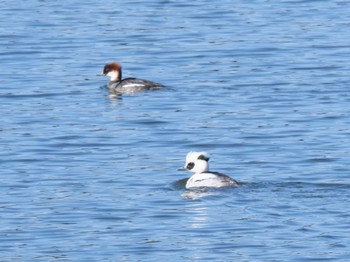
(106, 70)
(190, 165)
(203, 157)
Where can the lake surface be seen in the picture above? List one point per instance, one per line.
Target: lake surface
(263, 86)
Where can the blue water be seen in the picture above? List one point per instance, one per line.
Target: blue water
(263, 86)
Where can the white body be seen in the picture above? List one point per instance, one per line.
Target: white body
(197, 162)
(209, 180)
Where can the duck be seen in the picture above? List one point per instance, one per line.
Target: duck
(198, 163)
(127, 85)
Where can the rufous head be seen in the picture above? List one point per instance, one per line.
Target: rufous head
(113, 70)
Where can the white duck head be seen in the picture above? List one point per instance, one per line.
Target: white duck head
(197, 162)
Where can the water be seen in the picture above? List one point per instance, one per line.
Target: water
(261, 86)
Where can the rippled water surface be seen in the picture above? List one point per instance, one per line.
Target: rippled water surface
(263, 86)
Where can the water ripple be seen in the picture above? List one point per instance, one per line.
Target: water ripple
(262, 86)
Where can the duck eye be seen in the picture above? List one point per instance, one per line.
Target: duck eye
(190, 165)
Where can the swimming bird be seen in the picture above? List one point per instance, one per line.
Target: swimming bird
(126, 85)
(197, 162)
